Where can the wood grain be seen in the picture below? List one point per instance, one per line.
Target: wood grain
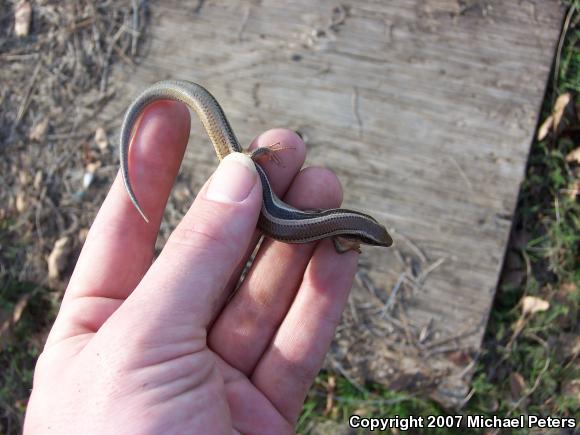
(426, 111)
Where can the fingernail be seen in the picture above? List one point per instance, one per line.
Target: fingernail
(233, 180)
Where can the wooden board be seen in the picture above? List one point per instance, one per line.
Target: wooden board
(426, 111)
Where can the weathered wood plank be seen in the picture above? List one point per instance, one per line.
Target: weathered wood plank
(425, 109)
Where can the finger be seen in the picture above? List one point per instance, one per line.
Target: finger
(294, 357)
(247, 324)
(224, 232)
(280, 176)
(185, 285)
(251, 411)
(119, 247)
(292, 155)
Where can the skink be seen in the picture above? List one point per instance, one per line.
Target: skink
(347, 228)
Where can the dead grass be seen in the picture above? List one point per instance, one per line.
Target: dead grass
(54, 170)
(54, 85)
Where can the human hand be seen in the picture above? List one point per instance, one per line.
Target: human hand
(142, 347)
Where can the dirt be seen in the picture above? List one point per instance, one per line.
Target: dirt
(58, 156)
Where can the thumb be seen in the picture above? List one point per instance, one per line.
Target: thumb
(185, 285)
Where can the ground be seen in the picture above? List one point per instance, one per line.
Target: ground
(58, 161)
